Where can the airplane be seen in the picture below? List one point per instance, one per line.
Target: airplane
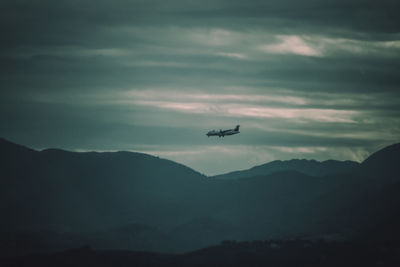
(224, 132)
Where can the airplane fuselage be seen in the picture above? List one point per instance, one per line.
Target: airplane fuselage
(224, 132)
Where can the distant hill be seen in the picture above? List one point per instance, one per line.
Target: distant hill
(68, 191)
(125, 200)
(308, 167)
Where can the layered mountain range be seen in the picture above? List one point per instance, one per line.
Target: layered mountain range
(56, 199)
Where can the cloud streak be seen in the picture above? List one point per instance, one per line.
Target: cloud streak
(291, 45)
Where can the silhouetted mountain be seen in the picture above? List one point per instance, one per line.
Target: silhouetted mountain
(133, 237)
(126, 200)
(379, 209)
(205, 231)
(308, 167)
(288, 253)
(367, 201)
(66, 191)
(383, 164)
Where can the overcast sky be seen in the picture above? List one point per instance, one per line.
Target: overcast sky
(315, 79)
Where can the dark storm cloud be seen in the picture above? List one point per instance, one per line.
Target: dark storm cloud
(84, 23)
(367, 16)
(318, 78)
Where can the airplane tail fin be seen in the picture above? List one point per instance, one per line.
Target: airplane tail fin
(237, 128)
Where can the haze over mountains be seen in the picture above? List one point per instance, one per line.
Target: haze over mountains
(57, 199)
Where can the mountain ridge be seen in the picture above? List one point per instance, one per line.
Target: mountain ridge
(80, 192)
(308, 167)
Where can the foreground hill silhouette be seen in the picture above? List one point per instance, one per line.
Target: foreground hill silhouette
(229, 253)
(55, 199)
